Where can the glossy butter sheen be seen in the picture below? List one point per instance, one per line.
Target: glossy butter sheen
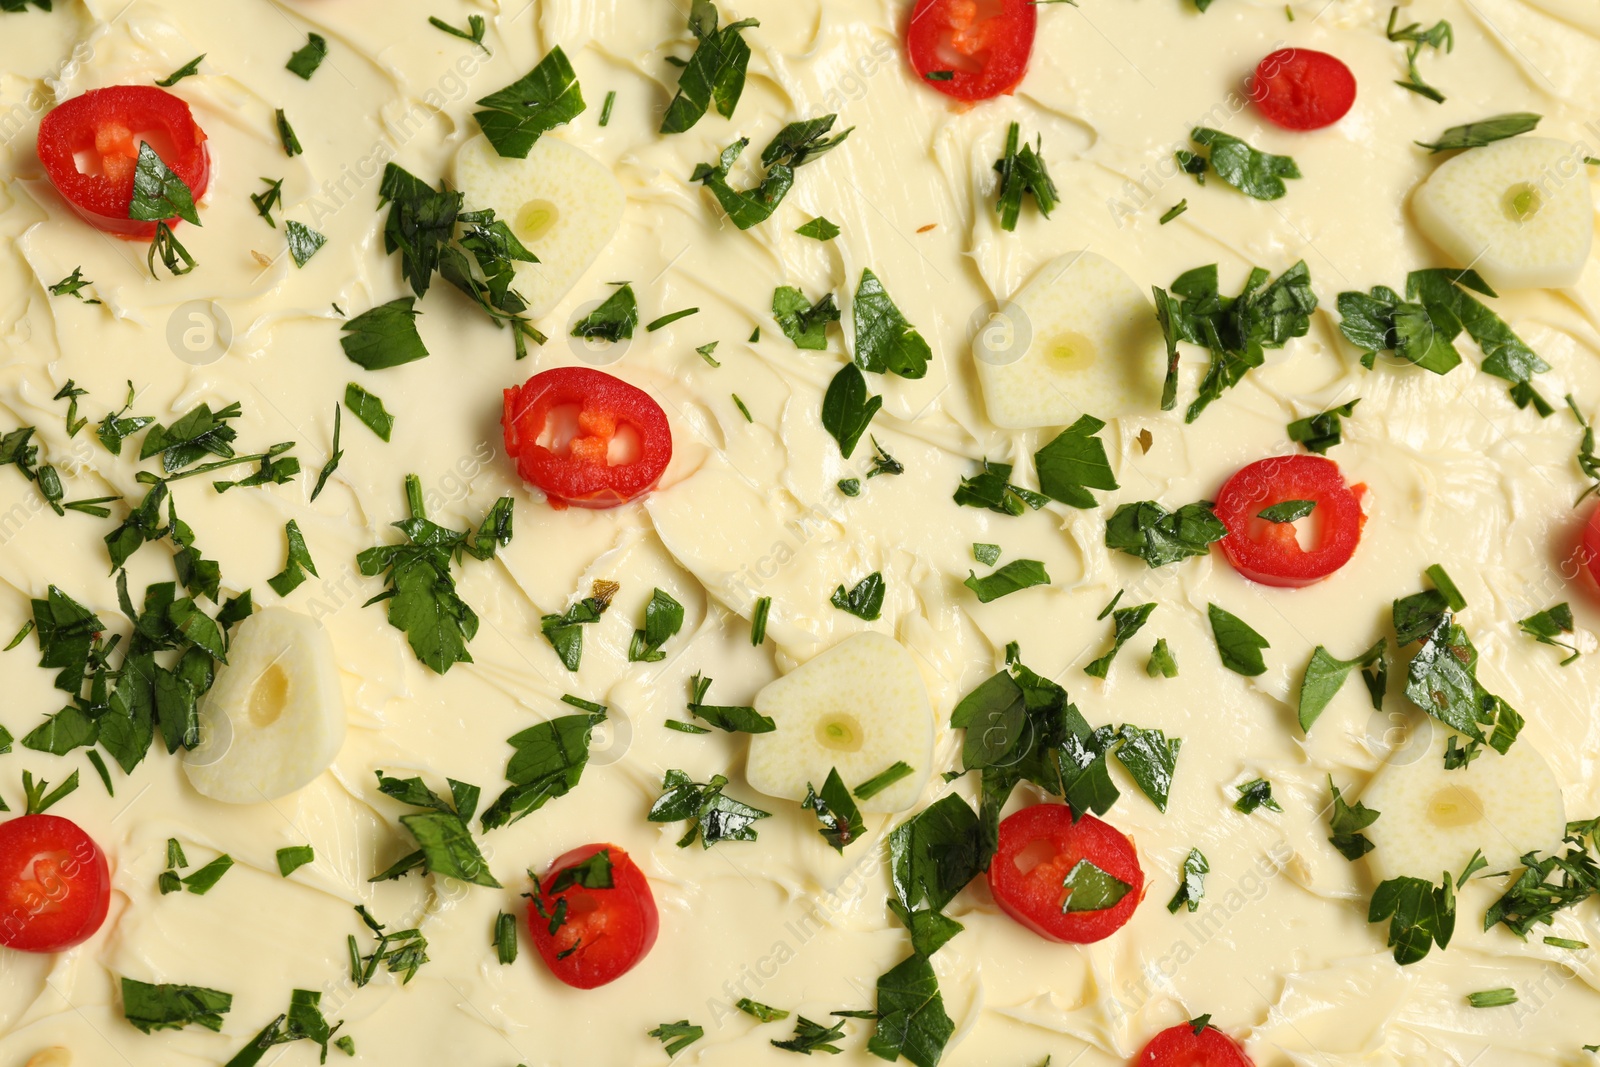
(1279, 951)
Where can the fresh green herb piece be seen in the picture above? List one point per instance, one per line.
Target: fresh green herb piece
(1162, 664)
(299, 565)
(1074, 463)
(403, 952)
(1347, 822)
(421, 593)
(40, 798)
(474, 31)
(847, 409)
(879, 782)
(755, 335)
(268, 199)
(882, 462)
(370, 410)
(715, 74)
(991, 488)
(743, 410)
(1474, 865)
(663, 618)
(1492, 998)
(1237, 331)
(764, 1012)
(712, 816)
(1534, 897)
(706, 351)
(1126, 622)
(669, 319)
(1159, 537)
(1546, 627)
(1442, 681)
(1239, 646)
(840, 818)
(1440, 35)
(912, 1021)
(1017, 575)
(1192, 887)
(758, 621)
(1484, 132)
(1325, 676)
(546, 97)
(613, 320)
(73, 285)
(149, 1008)
(1092, 889)
(1322, 431)
(1421, 915)
(677, 1036)
(1256, 794)
(346, 1045)
(22, 635)
(294, 857)
(159, 195)
(1566, 943)
(70, 393)
(1151, 757)
(1588, 460)
(1192, 164)
(685, 727)
(988, 555)
(303, 1021)
(385, 336)
(505, 939)
(306, 61)
(804, 323)
(441, 829)
(812, 1037)
(865, 600)
(205, 879)
(286, 135)
(819, 229)
(1175, 210)
(885, 341)
(1022, 171)
(940, 75)
(605, 109)
(850, 486)
(1256, 174)
(100, 768)
(730, 718)
(565, 631)
(303, 242)
(188, 70)
(1288, 511)
(548, 762)
(795, 145)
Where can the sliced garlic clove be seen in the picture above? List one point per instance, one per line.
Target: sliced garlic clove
(1080, 338)
(1519, 212)
(860, 707)
(274, 719)
(1433, 820)
(561, 202)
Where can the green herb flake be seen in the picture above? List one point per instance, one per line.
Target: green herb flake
(306, 61)
(712, 816)
(1547, 627)
(286, 135)
(149, 1008)
(1420, 915)
(1159, 537)
(1161, 664)
(474, 31)
(663, 618)
(864, 600)
(1015, 576)
(847, 409)
(879, 782)
(73, 285)
(884, 341)
(1347, 821)
(613, 320)
(303, 242)
(1175, 210)
(1126, 622)
(385, 336)
(205, 879)
(1239, 646)
(758, 621)
(1023, 172)
(1439, 36)
(1092, 889)
(834, 808)
(516, 117)
(1493, 998)
(565, 631)
(188, 70)
(298, 566)
(1256, 794)
(819, 229)
(757, 1010)
(1256, 174)
(1324, 430)
(715, 74)
(1325, 676)
(505, 939)
(669, 319)
(547, 762)
(1074, 462)
(912, 1021)
(1192, 885)
(294, 857)
(605, 109)
(804, 323)
(1484, 132)
(370, 410)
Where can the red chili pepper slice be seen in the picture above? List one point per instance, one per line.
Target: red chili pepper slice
(1299, 89)
(55, 885)
(103, 128)
(971, 49)
(600, 934)
(1591, 545)
(1039, 846)
(585, 438)
(1180, 1046)
(1270, 552)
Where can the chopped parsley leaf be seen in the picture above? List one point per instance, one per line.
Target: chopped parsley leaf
(299, 565)
(847, 408)
(1017, 575)
(548, 762)
(473, 32)
(1126, 622)
(1347, 821)
(188, 70)
(613, 320)
(149, 1008)
(795, 145)
(1074, 463)
(677, 1036)
(384, 337)
(441, 829)
(841, 819)
(1256, 794)
(303, 242)
(1322, 431)
(286, 135)
(1440, 35)
(1288, 511)
(663, 618)
(1239, 646)
(1325, 676)
(991, 488)
(1421, 915)
(306, 61)
(885, 341)
(565, 631)
(879, 782)
(804, 323)
(1484, 132)
(1160, 537)
(1546, 627)
(715, 74)
(865, 600)
(1256, 174)
(294, 857)
(712, 816)
(265, 201)
(1192, 887)
(1162, 664)
(1022, 171)
(1092, 889)
(73, 285)
(370, 410)
(819, 229)
(812, 1037)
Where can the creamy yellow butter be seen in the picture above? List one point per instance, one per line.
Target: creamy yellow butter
(1279, 953)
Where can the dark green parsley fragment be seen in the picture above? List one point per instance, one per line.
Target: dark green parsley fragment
(1022, 172)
